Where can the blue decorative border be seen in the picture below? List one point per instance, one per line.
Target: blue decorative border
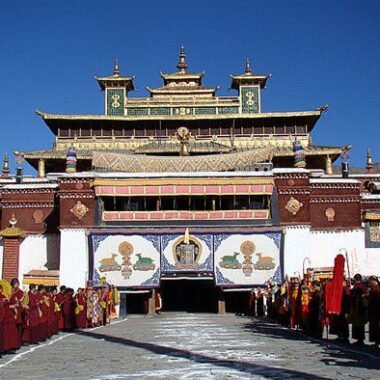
(154, 280)
(220, 279)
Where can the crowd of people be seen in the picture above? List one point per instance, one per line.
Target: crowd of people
(33, 316)
(305, 305)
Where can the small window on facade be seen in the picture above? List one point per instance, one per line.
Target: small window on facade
(374, 231)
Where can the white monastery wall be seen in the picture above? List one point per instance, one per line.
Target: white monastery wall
(321, 247)
(38, 252)
(74, 262)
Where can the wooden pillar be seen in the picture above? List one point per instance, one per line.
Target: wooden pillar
(11, 258)
(11, 255)
(221, 302)
(152, 303)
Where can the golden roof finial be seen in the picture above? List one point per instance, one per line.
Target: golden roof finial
(5, 171)
(370, 167)
(248, 69)
(182, 65)
(116, 70)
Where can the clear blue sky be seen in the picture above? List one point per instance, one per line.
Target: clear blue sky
(318, 52)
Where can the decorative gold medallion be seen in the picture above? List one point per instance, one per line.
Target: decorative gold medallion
(126, 250)
(247, 248)
(38, 217)
(293, 206)
(79, 210)
(330, 214)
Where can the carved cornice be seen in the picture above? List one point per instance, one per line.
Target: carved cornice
(291, 191)
(28, 205)
(334, 200)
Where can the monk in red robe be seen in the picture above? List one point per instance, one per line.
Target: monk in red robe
(12, 339)
(34, 313)
(50, 313)
(69, 310)
(2, 320)
(15, 300)
(81, 309)
(44, 312)
(59, 308)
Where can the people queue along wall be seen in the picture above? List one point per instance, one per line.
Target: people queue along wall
(33, 316)
(302, 305)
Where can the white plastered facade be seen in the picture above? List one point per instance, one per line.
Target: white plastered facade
(38, 252)
(321, 247)
(74, 258)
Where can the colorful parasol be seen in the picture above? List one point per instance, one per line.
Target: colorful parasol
(7, 288)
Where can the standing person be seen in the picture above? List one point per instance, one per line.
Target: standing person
(2, 320)
(358, 309)
(34, 333)
(315, 323)
(374, 311)
(260, 304)
(15, 300)
(56, 309)
(305, 305)
(12, 340)
(80, 309)
(44, 310)
(59, 308)
(342, 327)
(68, 310)
(158, 303)
(251, 303)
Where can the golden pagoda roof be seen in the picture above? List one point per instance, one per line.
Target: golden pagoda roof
(116, 79)
(134, 163)
(262, 115)
(248, 77)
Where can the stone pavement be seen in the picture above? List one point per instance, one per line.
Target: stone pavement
(189, 346)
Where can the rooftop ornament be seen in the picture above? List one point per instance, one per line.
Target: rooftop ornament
(182, 65)
(19, 157)
(5, 172)
(12, 231)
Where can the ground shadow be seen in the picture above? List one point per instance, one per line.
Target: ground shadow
(254, 369)
(336, 354)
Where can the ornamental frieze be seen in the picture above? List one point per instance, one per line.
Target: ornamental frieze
(79, 210)
(293, 206)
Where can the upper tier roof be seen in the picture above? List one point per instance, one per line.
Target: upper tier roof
(116, 80)
(248, 77)
(302, 118)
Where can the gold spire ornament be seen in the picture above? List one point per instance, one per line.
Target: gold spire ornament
(5, 172)
(248, 69)
(116, 70)
(328, 168)
(370, 167)
(182, 65)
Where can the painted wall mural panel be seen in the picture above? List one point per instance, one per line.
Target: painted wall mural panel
(187, 253)
(247, 258)
(127, 260)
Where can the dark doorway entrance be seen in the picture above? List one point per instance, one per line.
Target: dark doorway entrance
(237, 302)
(137, 303)
(193, 296)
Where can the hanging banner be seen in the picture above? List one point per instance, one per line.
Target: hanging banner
(126, 260)
(247, 259)
(187, 253)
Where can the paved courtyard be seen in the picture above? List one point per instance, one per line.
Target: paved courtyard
(188, 346)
